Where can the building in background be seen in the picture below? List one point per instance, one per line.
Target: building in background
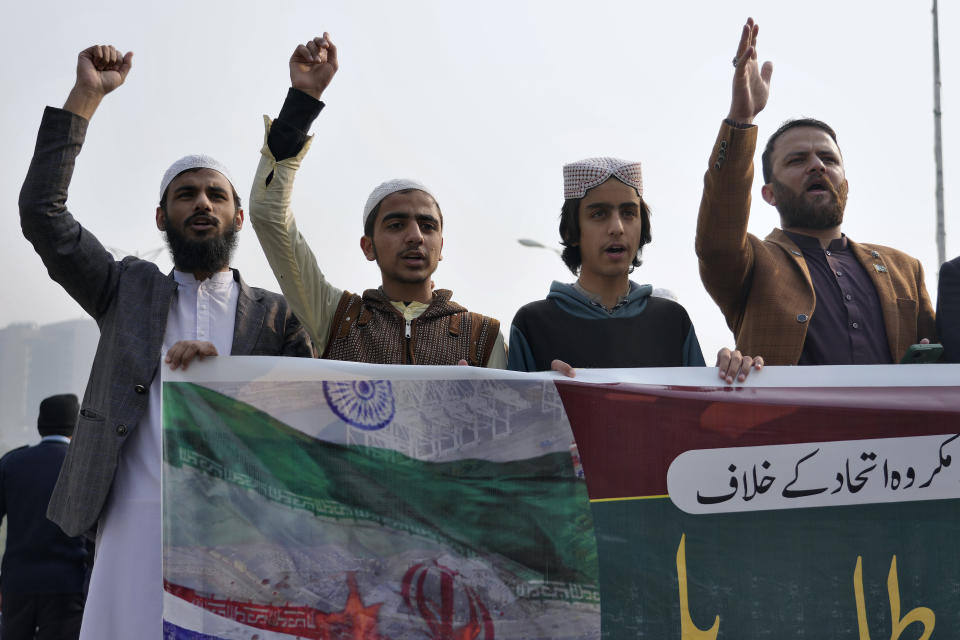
(36, 362)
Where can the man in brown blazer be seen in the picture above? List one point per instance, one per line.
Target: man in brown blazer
(806, 294)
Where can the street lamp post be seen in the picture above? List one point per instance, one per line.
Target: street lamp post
(937, 145)
(533, 244)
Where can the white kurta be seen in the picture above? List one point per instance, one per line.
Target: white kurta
(126, 588)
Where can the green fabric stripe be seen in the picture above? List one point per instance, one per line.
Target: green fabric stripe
(534, 512)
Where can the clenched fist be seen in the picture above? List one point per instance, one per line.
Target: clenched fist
(313, 65)
(100, 70)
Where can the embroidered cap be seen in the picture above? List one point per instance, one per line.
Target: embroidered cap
(386, 188)
(580, 176)
(193, 162)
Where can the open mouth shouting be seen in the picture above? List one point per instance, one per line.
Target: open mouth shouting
(615, 250)
(201, 223)
(414, 258)
(820, 185)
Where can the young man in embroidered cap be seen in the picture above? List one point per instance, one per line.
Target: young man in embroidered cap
(404, 321)
(604, 320)
(806, 294)
(43, 568)
(110, 481)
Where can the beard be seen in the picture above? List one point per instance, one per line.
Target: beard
(796, 211)
(205, 255)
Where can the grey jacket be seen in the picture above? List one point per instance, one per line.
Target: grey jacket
(129, 300)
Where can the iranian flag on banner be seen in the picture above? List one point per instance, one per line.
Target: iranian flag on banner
(304, 499)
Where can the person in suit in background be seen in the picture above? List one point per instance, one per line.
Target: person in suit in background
(43, 569)
(948, 310)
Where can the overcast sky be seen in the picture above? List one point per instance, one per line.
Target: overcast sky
(484, 103)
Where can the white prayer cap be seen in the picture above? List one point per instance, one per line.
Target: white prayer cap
(192, 162)
(580, 176)
(388, 187)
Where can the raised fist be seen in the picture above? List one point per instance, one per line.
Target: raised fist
(313, 65)
(101, 68)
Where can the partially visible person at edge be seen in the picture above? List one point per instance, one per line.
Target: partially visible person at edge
(604, 320)
(948, 310)
(44, 569)
(404, 321)
(110, 481)
(806, 294)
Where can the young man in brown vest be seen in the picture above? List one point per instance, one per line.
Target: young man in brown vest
(404, 321)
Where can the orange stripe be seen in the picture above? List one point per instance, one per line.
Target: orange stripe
(630, 498)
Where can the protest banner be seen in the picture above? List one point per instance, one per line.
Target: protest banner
(336, 500)
(817, 502)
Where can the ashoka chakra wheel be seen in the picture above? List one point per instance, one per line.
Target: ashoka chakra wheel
(364, 404)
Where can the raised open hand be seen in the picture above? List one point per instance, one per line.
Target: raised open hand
(751, 82)
(100, 70)
(313, 65)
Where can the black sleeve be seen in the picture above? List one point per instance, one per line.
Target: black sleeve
(3, 497)
(288, 133)
(948, 310)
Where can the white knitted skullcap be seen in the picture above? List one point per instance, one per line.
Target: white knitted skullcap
(386, 188)
(580, 176)
(193, 162)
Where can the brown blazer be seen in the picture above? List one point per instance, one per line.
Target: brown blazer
(763, 287)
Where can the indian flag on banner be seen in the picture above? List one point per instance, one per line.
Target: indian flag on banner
(372, 508)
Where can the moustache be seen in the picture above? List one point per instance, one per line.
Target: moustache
(838, 196)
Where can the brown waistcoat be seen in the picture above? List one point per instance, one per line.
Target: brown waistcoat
(370, 329)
